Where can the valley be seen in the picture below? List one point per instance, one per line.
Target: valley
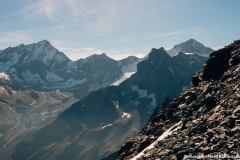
(40, 109)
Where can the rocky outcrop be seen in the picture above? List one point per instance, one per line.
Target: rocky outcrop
(219, 62)
(203, 121)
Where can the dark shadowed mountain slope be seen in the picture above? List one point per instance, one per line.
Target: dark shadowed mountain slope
(189, 47)
(99, 123)
(203, 121)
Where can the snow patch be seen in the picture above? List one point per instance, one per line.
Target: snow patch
(106, 126)
(116, 104)
(82, 61)
(123, 78)
(196, 58)
(165, 134)
(33, 103)
(14, 57)
(170, 70)
(134, 103)
(52, 77)
(131, 67)
(49, 55)
(33, 78)
(69, 83)
(143, 94)
(71, 66)
(203, 55)
(127, 115)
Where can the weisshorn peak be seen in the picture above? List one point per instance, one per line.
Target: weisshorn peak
(189, 47)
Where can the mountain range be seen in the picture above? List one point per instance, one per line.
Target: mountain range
(103, 119)
(99, 123)
(43, 68)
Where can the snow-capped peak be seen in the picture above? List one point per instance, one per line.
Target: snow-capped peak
(42, 50)
(190, 46)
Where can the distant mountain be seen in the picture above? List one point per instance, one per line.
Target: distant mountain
(98, 124)
(203, 121)
(189, 47)
(44, 68)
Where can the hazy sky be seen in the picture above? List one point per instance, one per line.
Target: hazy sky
(119, 28)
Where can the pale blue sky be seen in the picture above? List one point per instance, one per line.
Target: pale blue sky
(119, 28)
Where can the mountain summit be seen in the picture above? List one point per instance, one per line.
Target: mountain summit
(189, 47)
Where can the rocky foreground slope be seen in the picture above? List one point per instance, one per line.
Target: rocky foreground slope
(203, 120)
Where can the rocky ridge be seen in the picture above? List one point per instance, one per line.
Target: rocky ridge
(202, 121)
